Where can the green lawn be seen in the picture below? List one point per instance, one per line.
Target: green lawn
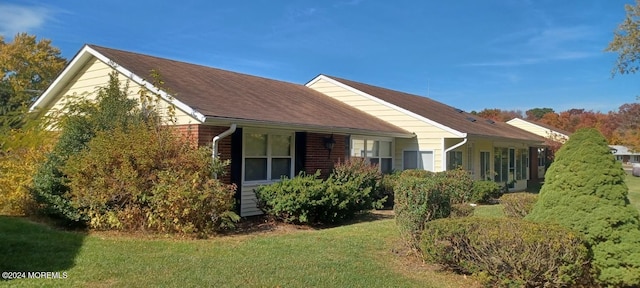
(634, 190)
(496, 210)
(364, 254)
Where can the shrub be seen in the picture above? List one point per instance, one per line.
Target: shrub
(81, 120)
(309, 199)
(23, 151)
(363, 176)
(508, 252)
(585, 190)
(461, 210)
(518, 205)
(417, 173)
(386, 189)
(484, 191)
(146, 177)
(417, 201)
(458, 184)
(299, 199)
(187, 202)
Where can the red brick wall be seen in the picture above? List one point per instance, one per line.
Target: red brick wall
(318, 156)
(202, 135)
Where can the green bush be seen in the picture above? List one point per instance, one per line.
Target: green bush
(309, 199)
(79, 123)
(461, 210)
(584, 190)
(386, 189)
(508, 252)
(518, 205)
(297, 200)
(417, 201)
(417, 173)
(145, 177)
(365, 177)
(458, 184)
(187, 202)
(484, 191)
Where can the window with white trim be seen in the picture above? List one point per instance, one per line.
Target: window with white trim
(412, 159)
(267, 156)
(376, 151)
(485, 165)
(454, 160)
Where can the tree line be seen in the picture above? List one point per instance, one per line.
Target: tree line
(621, 127)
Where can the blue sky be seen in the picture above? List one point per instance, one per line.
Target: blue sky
(507, 54)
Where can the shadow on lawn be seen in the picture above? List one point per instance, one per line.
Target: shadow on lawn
(26, 246)
(263, 223)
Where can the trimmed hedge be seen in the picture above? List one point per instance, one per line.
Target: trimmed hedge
(310, 199)
(461, 210)
(518, 205)
(417, 201)
(484, 191)
(508, 252)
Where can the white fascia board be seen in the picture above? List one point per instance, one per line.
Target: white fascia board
(387, 104)
(140, 81)
(76, 63)
(551, 131)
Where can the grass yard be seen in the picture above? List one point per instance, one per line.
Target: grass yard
(634, 190)
(365, 254)
(496, 210)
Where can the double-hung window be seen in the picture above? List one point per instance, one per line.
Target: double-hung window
(267, 156)
(376, 151)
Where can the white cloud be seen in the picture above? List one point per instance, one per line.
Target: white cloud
(15, 19)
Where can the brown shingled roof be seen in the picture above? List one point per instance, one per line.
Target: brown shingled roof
(446, 115)
(223, 94)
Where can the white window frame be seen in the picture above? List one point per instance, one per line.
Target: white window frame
(419, 159)
(365, 153)
(450, 165)
(270, 133)
(485, 172)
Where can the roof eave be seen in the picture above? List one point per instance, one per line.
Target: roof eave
(224, 121)
(387, 104)
(81, 58)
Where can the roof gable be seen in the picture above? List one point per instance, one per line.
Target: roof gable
(446, 117)
(210, 94)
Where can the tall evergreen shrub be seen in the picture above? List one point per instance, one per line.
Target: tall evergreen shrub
(585, 190)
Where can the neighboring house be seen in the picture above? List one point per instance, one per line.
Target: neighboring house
(446, 137)
(271, 129)
(624, 154)
(542, 154)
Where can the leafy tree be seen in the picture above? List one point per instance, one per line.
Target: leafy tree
(585, 191)
(27, 67)
(498, 114)
(626, 41)
(80, 123)
(537, 113)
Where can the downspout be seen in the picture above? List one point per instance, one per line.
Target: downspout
(444, 155)
(217, 139)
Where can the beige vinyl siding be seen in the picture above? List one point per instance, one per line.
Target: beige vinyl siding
(249, 201)
(96, 74)
(536, 129)
(428, 137)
